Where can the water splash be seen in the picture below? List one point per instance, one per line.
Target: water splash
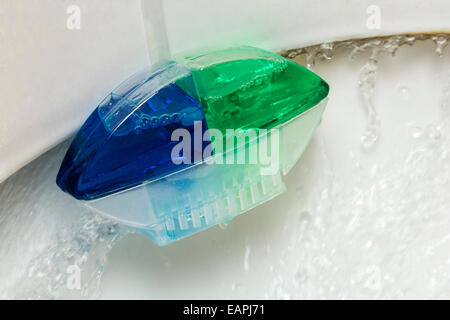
(85, 247)
(367, 79)
(40, 243)
(369, 234)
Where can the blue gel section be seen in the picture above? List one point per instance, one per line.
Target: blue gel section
(124, 144)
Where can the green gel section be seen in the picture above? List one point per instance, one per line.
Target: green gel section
(247, 88)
